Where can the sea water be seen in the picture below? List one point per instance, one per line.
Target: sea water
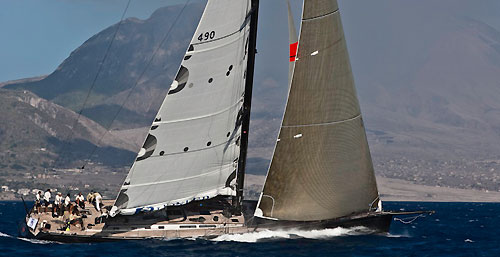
(456, 229)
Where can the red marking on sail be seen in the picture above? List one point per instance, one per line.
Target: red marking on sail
(293, 51)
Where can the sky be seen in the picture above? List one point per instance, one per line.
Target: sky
(36, 36)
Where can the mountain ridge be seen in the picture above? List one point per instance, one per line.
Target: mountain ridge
(130, 63)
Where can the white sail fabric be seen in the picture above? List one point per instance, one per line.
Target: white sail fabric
(192, 149)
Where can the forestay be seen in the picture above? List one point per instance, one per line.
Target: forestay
(191, 152)
(321, 168)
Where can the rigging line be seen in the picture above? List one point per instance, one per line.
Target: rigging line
(137, 81)
(408, 220)
(101, 64)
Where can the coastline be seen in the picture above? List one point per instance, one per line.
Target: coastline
(404, 191)
(401, 190)
(397, 190)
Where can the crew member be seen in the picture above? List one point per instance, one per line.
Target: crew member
(80, 200)
(67, 202)
(57, 205)
(46, 199)
(90, 197)
(38, 201)
(75, 218)
(98, 201)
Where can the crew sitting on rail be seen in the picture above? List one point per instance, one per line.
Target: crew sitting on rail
(46, 199)
(80, 200)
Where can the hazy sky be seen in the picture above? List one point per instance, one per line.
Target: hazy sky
(36, 36)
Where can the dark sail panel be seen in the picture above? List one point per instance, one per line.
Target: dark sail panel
(318, 8)
(321, 168)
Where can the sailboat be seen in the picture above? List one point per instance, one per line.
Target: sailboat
(187, 180)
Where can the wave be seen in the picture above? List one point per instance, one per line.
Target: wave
(253, 237)
(37, 241)
(5, 235)
(406, 235)
(33, 241)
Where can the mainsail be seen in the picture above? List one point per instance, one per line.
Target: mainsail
(193, 146)
(321, 168)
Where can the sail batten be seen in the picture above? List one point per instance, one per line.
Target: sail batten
(321, 167)
(318, 8)
(198, 117)
(169, 181)
(322, 124)
(321, 16)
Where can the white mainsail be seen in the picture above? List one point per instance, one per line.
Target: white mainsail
(192, 149)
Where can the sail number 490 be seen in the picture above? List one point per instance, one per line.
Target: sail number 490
(206, 36)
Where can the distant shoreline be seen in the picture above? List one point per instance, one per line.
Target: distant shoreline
(397, 190)
(394, 190)
(401, 190)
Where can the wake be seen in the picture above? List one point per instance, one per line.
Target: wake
(254, 237)
(33, 241)
(5, 235)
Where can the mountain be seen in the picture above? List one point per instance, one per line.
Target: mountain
(444, 110)
(34, 131)
(445, 100)
(39, 148)
(20, 81)
(140, 64)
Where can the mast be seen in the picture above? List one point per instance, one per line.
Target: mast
(240, 177)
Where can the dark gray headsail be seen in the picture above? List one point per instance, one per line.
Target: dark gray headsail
(321, 168)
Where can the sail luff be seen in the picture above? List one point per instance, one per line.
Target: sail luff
(258, 210)
(247, 104)
(293, 41)
(321, 167)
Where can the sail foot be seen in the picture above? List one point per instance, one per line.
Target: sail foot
(326, 173)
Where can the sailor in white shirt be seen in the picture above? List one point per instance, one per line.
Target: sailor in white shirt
(67, 201)
(80, 200)
(46, 199)
(98, 201)
(58, 199)
(58, 204)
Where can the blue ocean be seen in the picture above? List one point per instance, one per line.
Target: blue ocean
(456, 229)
